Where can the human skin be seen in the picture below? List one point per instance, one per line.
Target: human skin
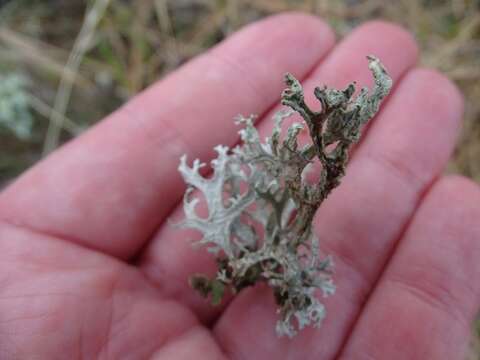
(90, 266)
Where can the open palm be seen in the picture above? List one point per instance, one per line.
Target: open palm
(90, 267)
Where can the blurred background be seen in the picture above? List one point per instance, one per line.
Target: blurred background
(64, 64)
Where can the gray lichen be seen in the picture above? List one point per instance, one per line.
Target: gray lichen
(261, 206)
(14, 106)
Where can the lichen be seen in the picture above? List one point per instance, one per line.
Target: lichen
(260, 206)
(15, 113)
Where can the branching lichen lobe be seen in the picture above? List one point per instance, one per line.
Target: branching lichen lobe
(264, 232)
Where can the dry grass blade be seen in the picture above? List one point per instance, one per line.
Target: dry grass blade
(136, 71)
(46, 111)
(82, 43)
(166, 27)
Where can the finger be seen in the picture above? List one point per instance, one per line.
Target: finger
(425, 302)
(110, 188)
(167, 255)
(361, 221)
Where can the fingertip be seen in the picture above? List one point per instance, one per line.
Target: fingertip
(396, 33)
(296, 23)
(392, 44)
(454, 192)
(439, 91)
(378, 34)
(301, 40)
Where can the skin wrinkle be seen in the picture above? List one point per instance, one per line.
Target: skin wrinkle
(171, 285)
(175, 335)
(164, 302)
(349, 264)
(158, 276)
(106, 343)
(397, 167)
(80, 344)
(49, 322)
(161, 278)
(33, 231)
(31, 317)
(441, 299)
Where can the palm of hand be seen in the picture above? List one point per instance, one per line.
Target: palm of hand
(82, 276)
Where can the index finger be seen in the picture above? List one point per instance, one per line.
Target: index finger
(110, 188)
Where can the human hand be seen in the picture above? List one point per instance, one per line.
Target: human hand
(90, 267)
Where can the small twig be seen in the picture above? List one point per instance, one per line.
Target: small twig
(46, 111)
(34, 52)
